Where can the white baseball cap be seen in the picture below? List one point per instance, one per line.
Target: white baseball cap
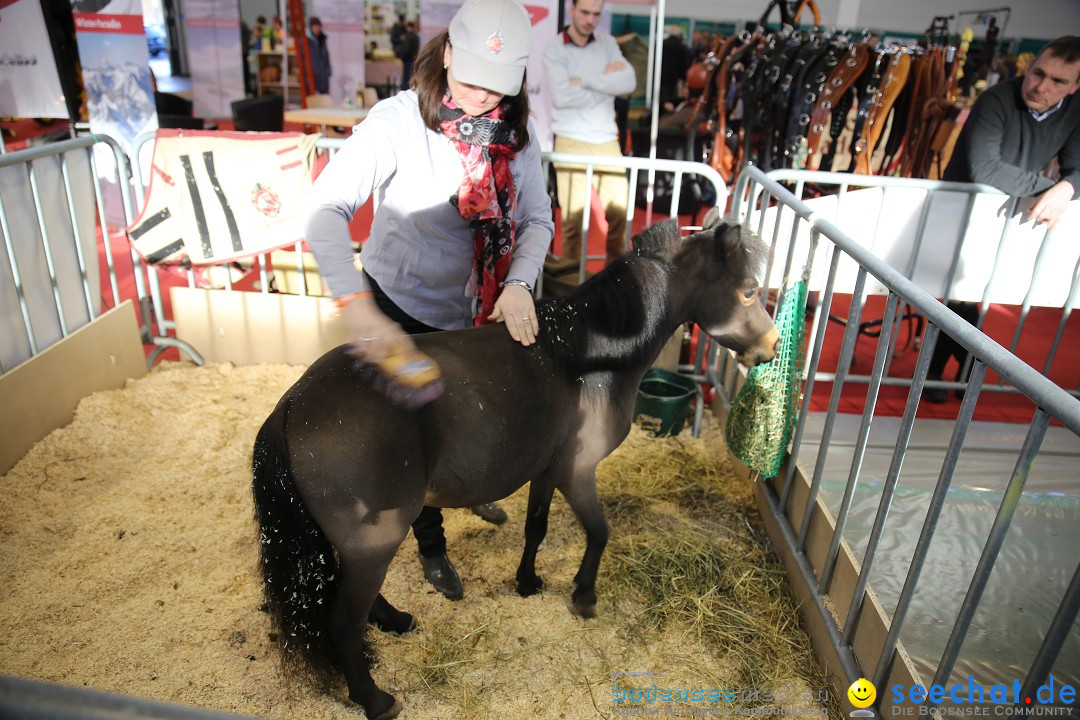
(491, 41)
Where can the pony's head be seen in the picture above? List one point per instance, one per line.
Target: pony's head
(723, 265)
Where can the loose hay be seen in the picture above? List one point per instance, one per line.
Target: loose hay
(129, 554)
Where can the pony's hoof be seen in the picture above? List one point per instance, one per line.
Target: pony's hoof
(382, 706)
(399, 623)
(393, 712)
(584, 603)
(533, 585)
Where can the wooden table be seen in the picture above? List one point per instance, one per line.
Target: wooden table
(335, 117)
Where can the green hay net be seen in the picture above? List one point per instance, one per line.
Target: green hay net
(763, 414)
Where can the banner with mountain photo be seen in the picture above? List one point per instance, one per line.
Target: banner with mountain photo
(116, 73)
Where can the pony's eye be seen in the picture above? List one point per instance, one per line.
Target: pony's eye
(749, 293)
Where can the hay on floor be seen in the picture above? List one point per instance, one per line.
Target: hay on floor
(128, 562)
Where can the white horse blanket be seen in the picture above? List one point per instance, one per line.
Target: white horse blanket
(218, 196)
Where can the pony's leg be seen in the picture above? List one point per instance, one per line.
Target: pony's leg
(536, 524)
(362, 568)
(388, 618)
(585, 502)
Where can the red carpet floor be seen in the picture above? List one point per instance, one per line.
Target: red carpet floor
(1000, 324)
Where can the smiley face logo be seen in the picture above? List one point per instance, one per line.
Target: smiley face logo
(862, 693)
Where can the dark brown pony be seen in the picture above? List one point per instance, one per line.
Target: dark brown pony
(340, 472)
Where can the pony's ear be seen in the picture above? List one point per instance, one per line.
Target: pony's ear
(728, 238)
(661, 239)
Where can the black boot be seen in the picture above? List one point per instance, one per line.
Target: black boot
(947, 347)
(490, 512)
(935, 394)
(443, 577)
(970, 312)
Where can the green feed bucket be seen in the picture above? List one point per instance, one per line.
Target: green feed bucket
(663, 402)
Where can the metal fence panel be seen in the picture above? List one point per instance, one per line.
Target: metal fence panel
(841, 261)
(52, 216)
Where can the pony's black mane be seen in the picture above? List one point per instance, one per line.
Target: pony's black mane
(610, 303)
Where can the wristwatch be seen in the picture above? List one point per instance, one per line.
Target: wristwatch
(522, 283)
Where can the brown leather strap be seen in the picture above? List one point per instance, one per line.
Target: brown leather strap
(930, 104)
(920, 76)
(722, 159)
(725, 157)
(891, 85)
(845, 72)
(704, 99)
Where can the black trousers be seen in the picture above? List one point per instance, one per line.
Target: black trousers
(947, 347)
(427, 528)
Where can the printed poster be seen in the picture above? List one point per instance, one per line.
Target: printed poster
(212, 28)
(29, 81)
(344, 29)
(544, 15)
(116, 74)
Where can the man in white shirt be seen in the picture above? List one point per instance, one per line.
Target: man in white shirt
(586, 70)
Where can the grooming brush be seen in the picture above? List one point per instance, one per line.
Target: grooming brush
(408, 379)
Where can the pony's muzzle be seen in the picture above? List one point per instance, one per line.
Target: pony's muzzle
(763, 350)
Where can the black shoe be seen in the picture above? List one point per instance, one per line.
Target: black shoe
(443, 577)
(490, 512)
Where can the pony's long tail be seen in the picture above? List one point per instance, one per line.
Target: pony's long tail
(297, 560)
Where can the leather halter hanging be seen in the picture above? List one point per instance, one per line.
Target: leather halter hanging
(930, 104)
(758, 120)
(865, 93)
(787, 96)
(836, 86)
(722, 157)
(805, 98)
(891, 85)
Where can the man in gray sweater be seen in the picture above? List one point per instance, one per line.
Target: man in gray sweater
(1013, 132)
(1016, 127)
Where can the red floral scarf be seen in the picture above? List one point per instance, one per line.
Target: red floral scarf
(485, 197)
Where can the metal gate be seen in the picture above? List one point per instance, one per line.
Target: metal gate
(856, 635)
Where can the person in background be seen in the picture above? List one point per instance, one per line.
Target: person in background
(1013, 132)
(586, 70)
(372, 47)
(397, 34)
(407, 51)
(462, 217)
(258, 32)
(319, 54)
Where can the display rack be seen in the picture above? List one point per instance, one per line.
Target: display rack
(276, 72)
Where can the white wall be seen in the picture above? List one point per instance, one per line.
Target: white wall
(1029, 19)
